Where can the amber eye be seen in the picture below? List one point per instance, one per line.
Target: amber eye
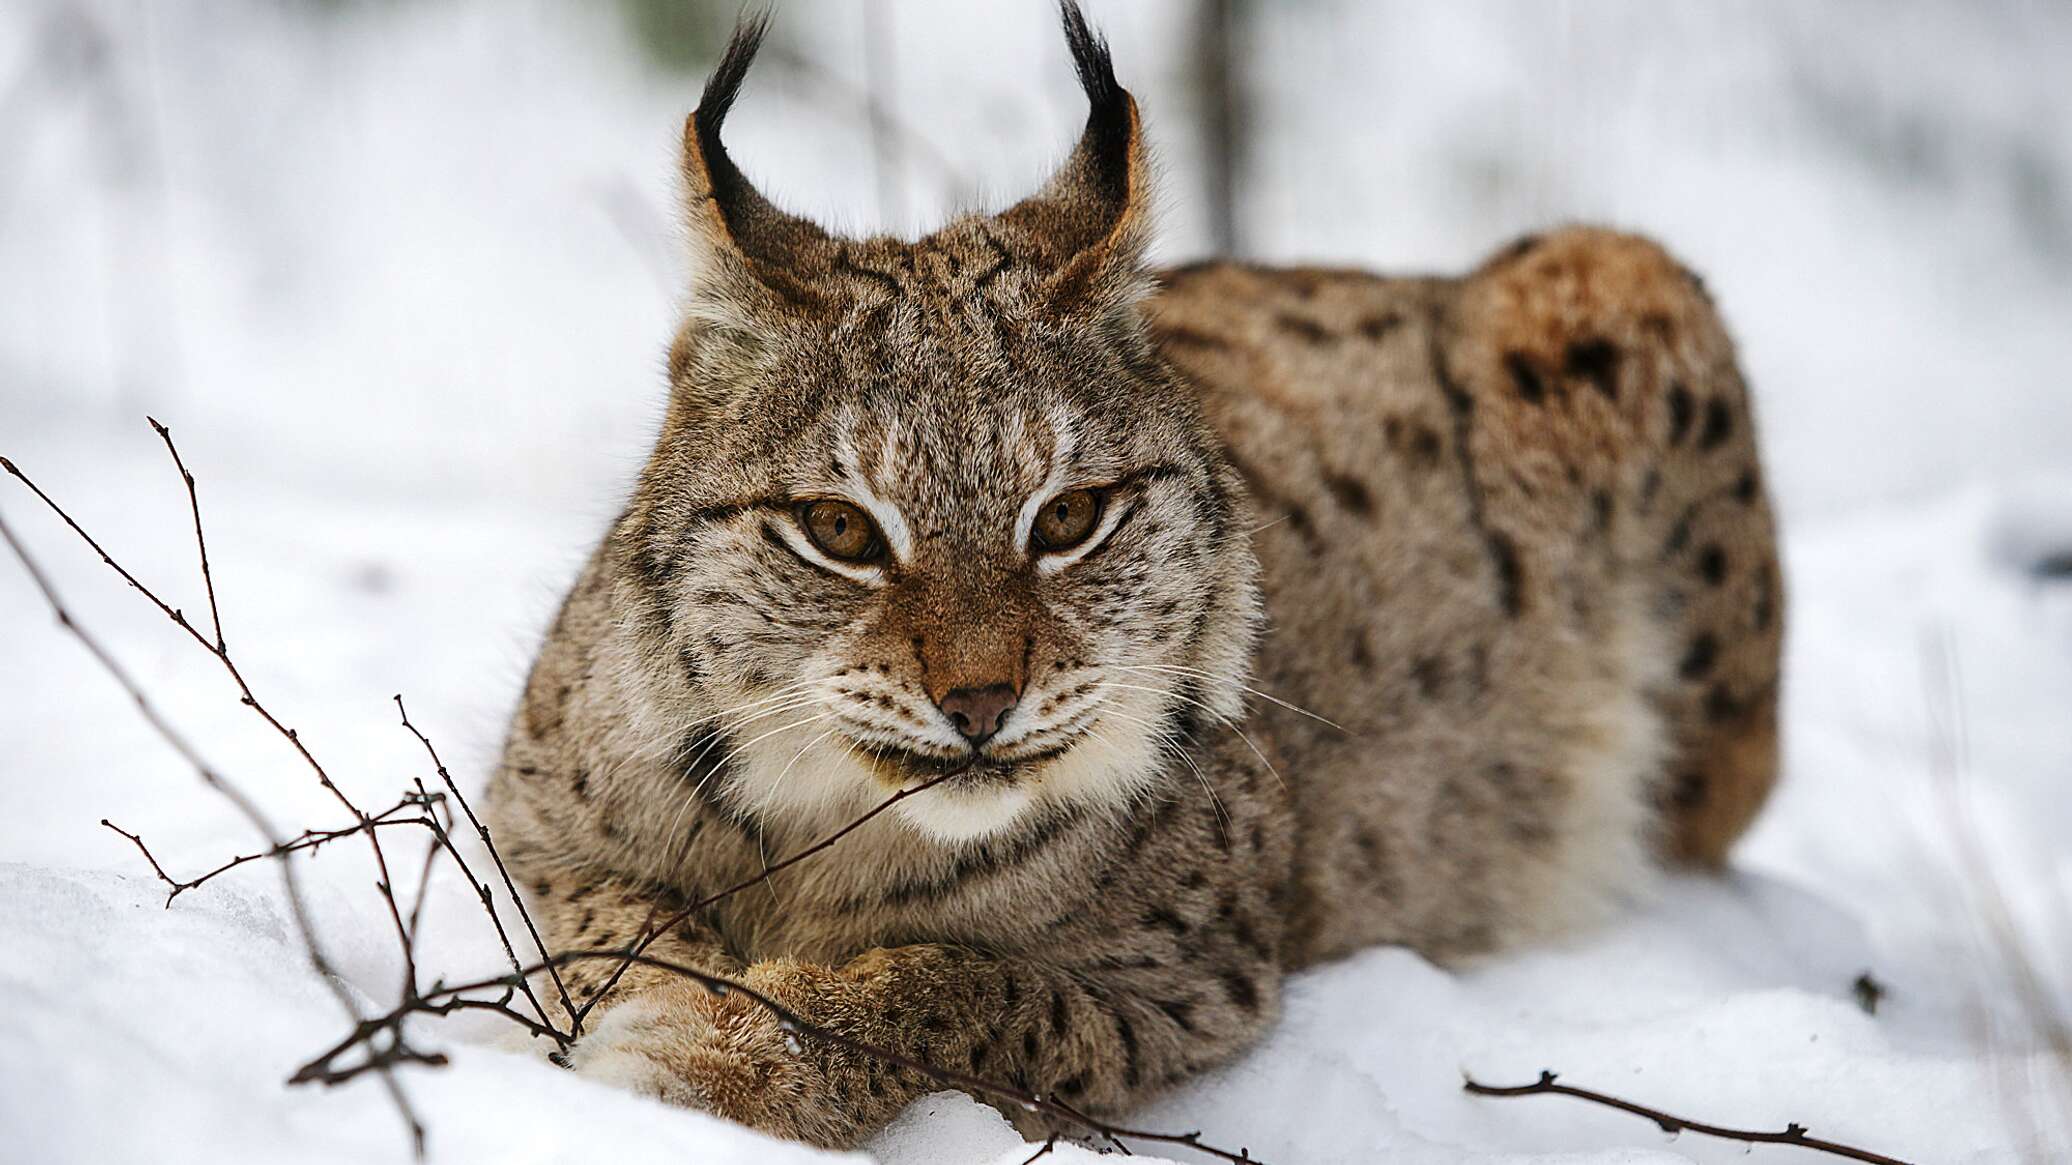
(1067, 519)
(840, 529)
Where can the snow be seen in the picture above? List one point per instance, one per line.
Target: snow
(397, 276)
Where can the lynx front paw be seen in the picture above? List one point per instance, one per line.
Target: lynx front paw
(722, 1054)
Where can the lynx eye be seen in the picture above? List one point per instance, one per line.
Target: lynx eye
(841, 530)
(1067, 519)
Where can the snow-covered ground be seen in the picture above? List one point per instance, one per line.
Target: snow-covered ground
(398, 277)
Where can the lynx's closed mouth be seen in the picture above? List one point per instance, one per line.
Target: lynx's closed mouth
(968, 771)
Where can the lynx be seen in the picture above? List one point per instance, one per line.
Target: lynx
(1253, 615)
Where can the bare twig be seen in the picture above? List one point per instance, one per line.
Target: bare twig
(222, 655)
(290, 882)
(324, 1070)
(201, 543)
(673, 921)
(497, 859)
(309, 839)
(1793, 1134)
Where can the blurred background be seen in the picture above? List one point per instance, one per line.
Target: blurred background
(400, 275)
(447, 226)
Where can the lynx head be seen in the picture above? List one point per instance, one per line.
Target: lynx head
(934, 507)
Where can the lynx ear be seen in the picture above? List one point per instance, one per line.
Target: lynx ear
(1090, 220)
(737, 230)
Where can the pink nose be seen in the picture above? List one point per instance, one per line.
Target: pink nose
(978, 712)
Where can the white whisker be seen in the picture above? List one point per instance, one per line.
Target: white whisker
(1218, 717)
(1211, 677)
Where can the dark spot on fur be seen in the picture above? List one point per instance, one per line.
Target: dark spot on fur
(1306, 330)
(1681, 408)
(1072, 1085)
(1699, 657)
(1241, 989)
(1745, 487)
(1697, 284)
(1510, 576)
(1430, 674)
(1298, 521)
(1712, 563)
(1360, 654)
(1517, 249)
(1249, 939)
(1377, 326)
(1304, 284)
(1180, 1013)
(1163, 918)
(1424, 446)
(1029, 1045)
(1596, 361)
(1601, 510)
(1719, 424)
(1186, 337)
(1689, 791)
(1720, 704)
(1679, 536)
(1650, 485)
(1059, 1020)
(1525, 378)
(1132, 1068)
(1350, 493)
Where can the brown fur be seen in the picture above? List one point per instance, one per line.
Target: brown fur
(1517, 571)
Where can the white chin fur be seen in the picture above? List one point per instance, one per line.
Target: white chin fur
(952, 815)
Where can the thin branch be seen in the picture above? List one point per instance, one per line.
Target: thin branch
(323, 1069)
(246, 696)
(482, 831)
(1794, 1134)
(201, 544)
(673, 921)
(290, 882)
(307, 840)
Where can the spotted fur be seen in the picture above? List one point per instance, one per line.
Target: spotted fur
(1496, 547)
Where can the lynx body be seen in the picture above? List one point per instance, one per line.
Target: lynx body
(1257, 615)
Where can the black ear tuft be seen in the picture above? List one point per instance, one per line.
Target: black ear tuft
(1108, 145)
(720, 91)
(1091, 61)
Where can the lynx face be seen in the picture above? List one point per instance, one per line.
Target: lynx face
(937, 507)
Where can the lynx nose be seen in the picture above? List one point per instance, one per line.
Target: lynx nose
(978, 712)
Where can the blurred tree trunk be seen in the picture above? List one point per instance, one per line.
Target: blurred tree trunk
(1219, 28)
(880, 86)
